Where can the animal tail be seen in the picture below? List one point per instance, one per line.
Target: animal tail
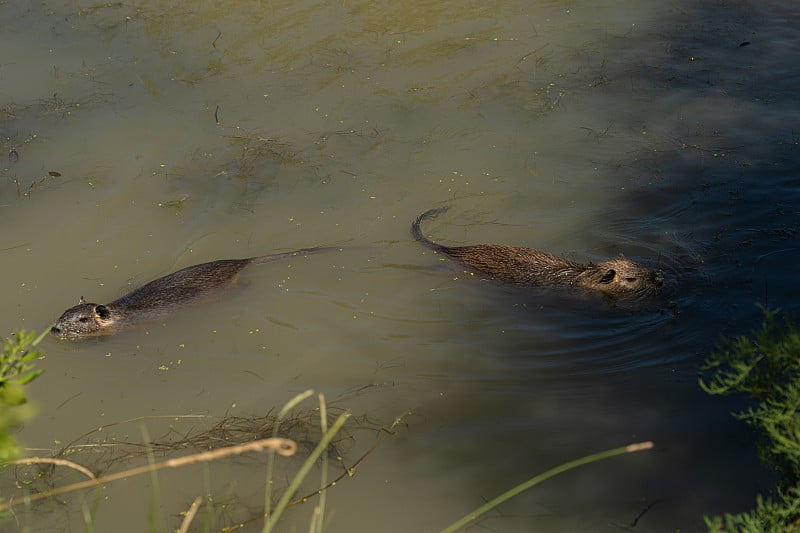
(416, 232)
(285, 255)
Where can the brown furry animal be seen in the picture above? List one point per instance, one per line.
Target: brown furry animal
(157, 298)
(616, 277)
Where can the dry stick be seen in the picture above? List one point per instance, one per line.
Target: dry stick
(642, 513)
(303, 472)
(60, 462)
(187, 520)
(284, 447)
(349, 472)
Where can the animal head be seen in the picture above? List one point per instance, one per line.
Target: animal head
(621, 277)
(83, 320)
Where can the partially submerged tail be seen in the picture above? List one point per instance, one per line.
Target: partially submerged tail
(416, 232)
(285, 255)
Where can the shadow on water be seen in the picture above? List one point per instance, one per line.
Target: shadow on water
(712, 201)
(510, 383)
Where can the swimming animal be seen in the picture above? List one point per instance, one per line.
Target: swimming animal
(159, 297)
(527, 267)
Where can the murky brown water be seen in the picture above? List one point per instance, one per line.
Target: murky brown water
(185, 132)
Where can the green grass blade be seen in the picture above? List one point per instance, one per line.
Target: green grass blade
(271, 455)
(543, 477)
(323, 478)
(304, 470)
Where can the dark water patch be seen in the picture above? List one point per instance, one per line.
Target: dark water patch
(709, 198)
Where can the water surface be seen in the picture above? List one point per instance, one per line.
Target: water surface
(179, 133)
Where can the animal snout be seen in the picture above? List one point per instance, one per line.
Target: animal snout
(55, 330)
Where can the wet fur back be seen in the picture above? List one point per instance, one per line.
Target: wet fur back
(182, 286)
(515, 265)
(530, 267)
(192, 283)
(158, 297)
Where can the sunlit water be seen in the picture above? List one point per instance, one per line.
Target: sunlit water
(153, 136)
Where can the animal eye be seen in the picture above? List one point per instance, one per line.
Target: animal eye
(83, 319)
(630, 280)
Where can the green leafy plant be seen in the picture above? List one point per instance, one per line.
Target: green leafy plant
(766, 366)
(16, 371)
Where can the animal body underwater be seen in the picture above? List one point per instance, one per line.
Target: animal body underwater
(527, 267)
(159, 297)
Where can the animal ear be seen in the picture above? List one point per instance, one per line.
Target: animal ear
(608, 277)
(81, 301)
(102, 311)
